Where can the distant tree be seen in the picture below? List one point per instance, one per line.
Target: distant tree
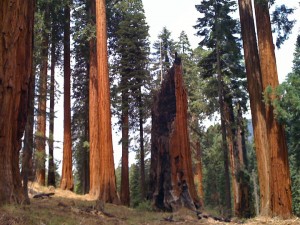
(163, 56)
(84, 55)
(43, 8)
(16, 71)
(56, 14)
(223, 70)
(130, 68)
(67, 174)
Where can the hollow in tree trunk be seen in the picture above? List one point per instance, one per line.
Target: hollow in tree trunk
(171, 182)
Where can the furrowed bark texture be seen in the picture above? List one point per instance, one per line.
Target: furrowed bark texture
(93, 115)
(256, 103)
(280, 195)
(16, 26)
(172, 181)
(66, 182)
(107, 178)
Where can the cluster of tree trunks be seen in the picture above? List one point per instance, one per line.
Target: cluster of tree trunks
(269, 137)
(16, 25)
(171, 176)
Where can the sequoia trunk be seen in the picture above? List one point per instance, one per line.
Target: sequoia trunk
(256, 102)
(93, 115)
(280, 195)
(16, 25)
(40, 154)
(51, 167)
(172, 181)
(67, 176)
(107, 178)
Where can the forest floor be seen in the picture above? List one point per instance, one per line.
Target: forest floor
(67, 208)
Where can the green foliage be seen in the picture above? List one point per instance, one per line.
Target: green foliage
(219, 33)
(282, 25)
(163, 55)
(213, 167)
(135, 188)
(145, 205)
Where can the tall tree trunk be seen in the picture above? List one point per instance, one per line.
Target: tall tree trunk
(125, 197)
(107, 178)
(67, 175)
(240, 181)
(51, 167)
(256, 102)
(243, 208)
(16, 25)
(93, 114)
(142, 151)
(281, 197)
(27, 160)
(172, 182)
(223, 130)
(40, 153)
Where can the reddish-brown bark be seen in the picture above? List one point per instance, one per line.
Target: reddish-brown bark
(256, 102)
(67, 175)
(40, 154)
(93, 114)
(199, 173)
(280, 195)
(16, 25)
(51, 167)
(106, 182)
(172, 183)
(240, 181)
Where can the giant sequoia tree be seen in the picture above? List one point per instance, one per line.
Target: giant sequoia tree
(281, 198)
(171, 182)
(104, 186)
(269, 136)
(16, 25)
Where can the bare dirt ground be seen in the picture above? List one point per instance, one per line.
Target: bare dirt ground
(67, 208)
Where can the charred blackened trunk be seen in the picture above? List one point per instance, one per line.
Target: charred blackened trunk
(171, 179)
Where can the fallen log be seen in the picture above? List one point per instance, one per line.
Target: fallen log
(42, 195)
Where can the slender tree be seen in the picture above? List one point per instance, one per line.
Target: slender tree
(67, 175)
(40, 136)
(15, 73)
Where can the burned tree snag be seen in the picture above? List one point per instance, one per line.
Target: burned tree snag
(172, 180)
